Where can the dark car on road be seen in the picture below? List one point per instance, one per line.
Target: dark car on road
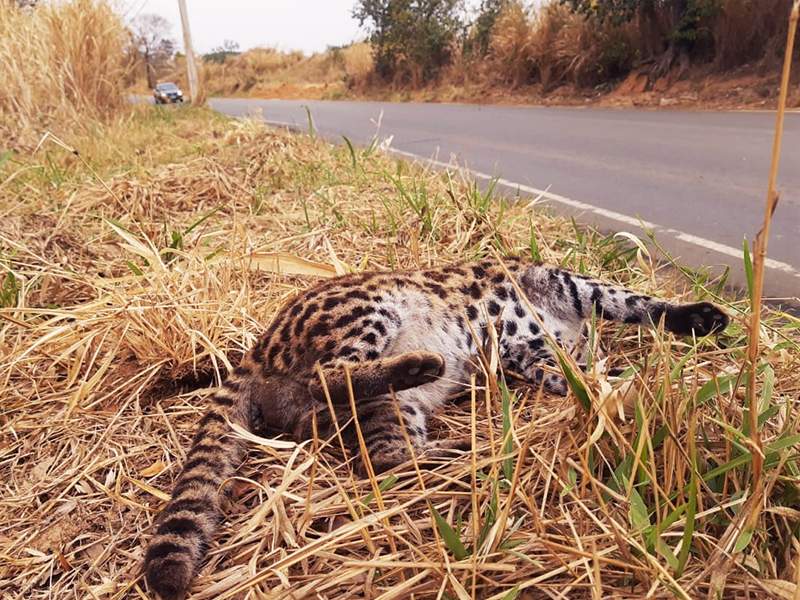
(167, 92)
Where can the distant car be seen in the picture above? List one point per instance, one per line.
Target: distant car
(167, 92)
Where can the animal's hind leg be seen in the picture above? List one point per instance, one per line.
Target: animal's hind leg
(373, 378)
(383, 434)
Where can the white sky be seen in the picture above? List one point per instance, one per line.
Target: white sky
(307, 25)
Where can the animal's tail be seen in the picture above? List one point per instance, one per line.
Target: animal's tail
(190, 519)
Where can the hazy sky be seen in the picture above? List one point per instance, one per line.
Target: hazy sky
(307, 25)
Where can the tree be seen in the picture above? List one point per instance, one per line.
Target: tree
(687, 25)
(488, 12)
(150, 33)
(412, 39)
(221, 53)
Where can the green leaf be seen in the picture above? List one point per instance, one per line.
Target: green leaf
(782, 443)
(512, 593)
(136, 270)
(6, 155)
(638, 512)
(508, 446)
(691, 509)
(449, 535)
(725, 383)
(665, 551)
(743, 540)
(382, 486)
(767, 388)
(575, 384)
(665, 524)
(748, 270)
(200, 220)
(310, 121)
(351, 149)
(489, 519)
(572, 477)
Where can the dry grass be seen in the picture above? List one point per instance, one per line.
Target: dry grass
(118, 308)
(61, 63)
(267, 71)
(544, 54)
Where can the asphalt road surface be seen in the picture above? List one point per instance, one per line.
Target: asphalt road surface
(699, 179)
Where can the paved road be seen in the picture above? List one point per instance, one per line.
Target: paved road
(698, 178)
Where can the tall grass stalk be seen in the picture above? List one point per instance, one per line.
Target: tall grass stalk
(759, 258)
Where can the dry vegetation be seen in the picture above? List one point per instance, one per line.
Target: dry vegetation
(121, 303)
(551, 54)
(267, 72)
(61, 66)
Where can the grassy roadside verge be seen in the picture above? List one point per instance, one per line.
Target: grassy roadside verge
(120, 303)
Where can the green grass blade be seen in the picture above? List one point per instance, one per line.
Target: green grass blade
(575, 384)
(688, 531)
(310, 121)
(508, 446)
(6, 155)
(351, 149)
(512, 593)
(748, 269)
(449, 535)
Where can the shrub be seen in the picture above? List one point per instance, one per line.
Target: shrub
(412, 39)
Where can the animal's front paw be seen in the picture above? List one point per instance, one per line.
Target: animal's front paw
(701, 318)
(417, 368)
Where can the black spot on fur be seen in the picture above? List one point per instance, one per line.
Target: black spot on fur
(573, 292)
(473, 291)
(286, 355)
(186, 483)
(318, 329)
(501, 293)
(212, 417)
(195, 505)
(630, 301)
(535, 344)
(372, 355)
(472, 313)
(437, 276)
(353, 332)
(223, 400)
(205, 448)
(164, 549)
(494, 308)
(332, 302)
(511, 328)
(273, 352)
(181, 526)
(286, 332)
(361, 295)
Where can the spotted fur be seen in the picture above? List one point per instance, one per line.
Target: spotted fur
(411, 331)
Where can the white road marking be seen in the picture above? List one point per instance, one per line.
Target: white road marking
(603, 212)
(590, 208)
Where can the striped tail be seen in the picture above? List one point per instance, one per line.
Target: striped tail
(190, 519)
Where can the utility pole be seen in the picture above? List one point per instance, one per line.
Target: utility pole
(194, 84)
